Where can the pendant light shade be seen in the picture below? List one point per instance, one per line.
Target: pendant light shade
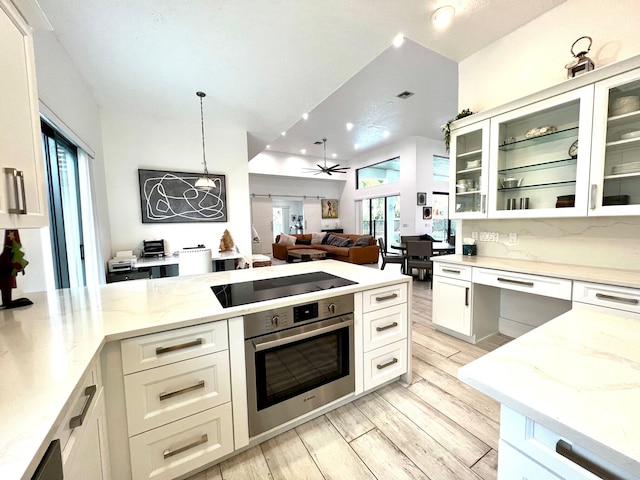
(204, 182)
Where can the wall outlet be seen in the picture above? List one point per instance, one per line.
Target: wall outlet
(513, 237)
(474, 235)
(496, 237)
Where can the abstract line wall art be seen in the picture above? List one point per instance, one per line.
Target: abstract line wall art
(170, 197)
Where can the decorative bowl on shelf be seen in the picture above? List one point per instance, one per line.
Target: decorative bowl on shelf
(536, 132)
(622, 105)
(510, 182)
(627, 136)
(473, 163)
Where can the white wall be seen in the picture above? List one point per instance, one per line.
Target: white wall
(133, 142)
(63, 91)
(531, 59)
(426, 149)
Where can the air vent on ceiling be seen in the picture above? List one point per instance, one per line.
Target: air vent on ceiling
(404, 95)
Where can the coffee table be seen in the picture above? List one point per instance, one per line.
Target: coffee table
(306, 255)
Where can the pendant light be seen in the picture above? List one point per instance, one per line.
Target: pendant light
(204, 182)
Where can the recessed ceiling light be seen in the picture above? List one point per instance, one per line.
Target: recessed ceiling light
(268, 146)
(283, 134)
(303, 151)
(305, 116)
(334, 155)
(356, 146)
(442, 17)
(349, 126)
(386, 133)
(398, 40)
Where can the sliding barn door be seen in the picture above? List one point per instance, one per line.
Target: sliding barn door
(262, 219)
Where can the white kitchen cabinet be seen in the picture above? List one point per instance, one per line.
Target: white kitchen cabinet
(515, 465)
(615, 165)
(22, 188)
(452, 304)
(531, 159)
(608, 296)
(469, 171)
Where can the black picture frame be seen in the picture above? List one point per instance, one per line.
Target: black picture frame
(422, 198)
(171, 197)
(427, 213)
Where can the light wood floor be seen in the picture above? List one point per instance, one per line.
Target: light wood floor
(437, 428)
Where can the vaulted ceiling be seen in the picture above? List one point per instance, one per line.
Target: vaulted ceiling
(263, 63)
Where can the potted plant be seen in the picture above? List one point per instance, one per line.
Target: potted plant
(12, 262)
(447, 127)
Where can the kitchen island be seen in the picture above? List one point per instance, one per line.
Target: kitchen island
(47, 348)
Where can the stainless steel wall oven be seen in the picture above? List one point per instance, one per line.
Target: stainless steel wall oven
(298, 358)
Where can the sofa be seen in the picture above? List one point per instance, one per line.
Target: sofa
(359, 249)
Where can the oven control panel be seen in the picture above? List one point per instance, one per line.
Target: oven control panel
(282, 318)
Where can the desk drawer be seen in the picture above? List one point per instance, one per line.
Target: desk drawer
(384, 297)
(156, 349)
(385, 326)
(620, 298)
(175, 449)
(522, 282)
(451, 270)
(166, 394)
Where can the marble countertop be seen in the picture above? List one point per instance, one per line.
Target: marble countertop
(579, 375)
(46, 348)
(609, 276)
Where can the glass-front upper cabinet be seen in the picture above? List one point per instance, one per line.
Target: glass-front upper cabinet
(615, 164)
(469, 164)
(536, 167)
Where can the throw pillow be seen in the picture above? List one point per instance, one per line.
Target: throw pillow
(363, 241)
(339, 241)
(317, 238)
(300, 241)
(287, 239)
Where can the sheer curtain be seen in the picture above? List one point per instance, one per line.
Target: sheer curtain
(94, 267)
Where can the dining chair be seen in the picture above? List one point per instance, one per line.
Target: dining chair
(408, 238)
(390, 257)
(418, 257)
(194, 260)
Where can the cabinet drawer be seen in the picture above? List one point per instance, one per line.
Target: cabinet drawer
(515, 465)
(384, 297)
(165, 394)
(451, 270)
(385, 326)
(522, 282)
(539, 442)
(149, 351)
(83, 401)
(620, 298)
(384, 364)
(175, 449)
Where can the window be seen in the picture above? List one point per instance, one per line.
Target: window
(440, 169)
(443, 227)
(381, 218)
(378, 174)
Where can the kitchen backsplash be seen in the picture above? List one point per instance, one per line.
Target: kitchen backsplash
(600, 242)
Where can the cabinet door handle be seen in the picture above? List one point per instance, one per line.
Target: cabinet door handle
(170, 453)
(566, 450)
(387, 327)
(466, 297)
(387, 297)
(614, 298)
(165, 396)
(516, 282)
(15, 174)
(89, 392)
(173, 348)
(594, 191)
(388, 364)
(449, 270)
(484, 204)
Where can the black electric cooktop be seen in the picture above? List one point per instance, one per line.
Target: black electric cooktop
(235, 294)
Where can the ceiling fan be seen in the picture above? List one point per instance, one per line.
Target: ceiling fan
(324, 169)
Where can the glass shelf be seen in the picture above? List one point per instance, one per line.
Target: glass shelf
(549, 137)
(621, 176)
(468, 154)
(623, 144)
(538, 185)
(470, 170)
(472, 192)
(624, 118)
(539, 166)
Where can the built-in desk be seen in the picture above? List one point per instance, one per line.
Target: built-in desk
(161, 267)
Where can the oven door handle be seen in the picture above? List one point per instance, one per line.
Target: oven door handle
(300, 336)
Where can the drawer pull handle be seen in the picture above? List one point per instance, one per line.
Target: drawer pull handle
(484, 204)
(89, 392)
(450, 270)
(516, 282)
(604, 296)
(387, 297)
(566, 450)
(594, 192)
(170, 453)
(387, 327)
(15, 174)
(165, 396)
(466, 297)
(388, 364)
(173, 348)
